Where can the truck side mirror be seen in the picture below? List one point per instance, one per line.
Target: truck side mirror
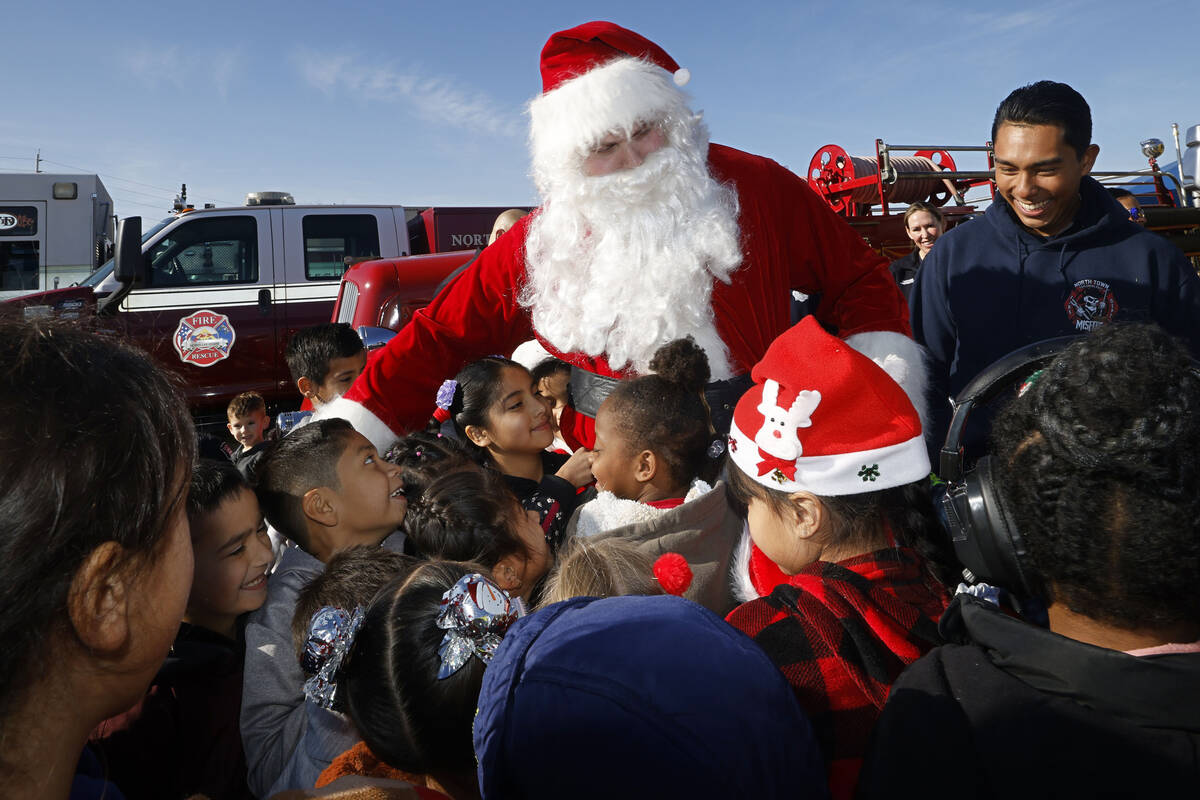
(129, 266)
(374, 338)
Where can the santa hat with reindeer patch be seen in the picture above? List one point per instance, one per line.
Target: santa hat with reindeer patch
(598, 78)
(823, 418)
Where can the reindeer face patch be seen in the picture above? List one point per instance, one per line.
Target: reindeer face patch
(778, 436)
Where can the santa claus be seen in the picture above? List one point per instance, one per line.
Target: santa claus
(646, 233)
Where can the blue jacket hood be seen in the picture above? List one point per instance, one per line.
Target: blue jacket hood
(639, 697)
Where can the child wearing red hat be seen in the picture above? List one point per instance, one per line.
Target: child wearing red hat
(829, 459)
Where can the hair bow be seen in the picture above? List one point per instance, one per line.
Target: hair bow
(330, 635)
(445, 394)
(475, 613)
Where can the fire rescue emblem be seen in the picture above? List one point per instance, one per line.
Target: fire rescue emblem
(1090, 305)
(204, 338)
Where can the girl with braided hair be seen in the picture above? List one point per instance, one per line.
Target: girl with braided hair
(1096, 469)
(469, 514)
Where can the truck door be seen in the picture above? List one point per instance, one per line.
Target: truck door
(208, 309)
(317, 242)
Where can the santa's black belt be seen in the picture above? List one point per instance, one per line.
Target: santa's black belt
(587, 390)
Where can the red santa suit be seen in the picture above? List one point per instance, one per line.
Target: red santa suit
(789, 238)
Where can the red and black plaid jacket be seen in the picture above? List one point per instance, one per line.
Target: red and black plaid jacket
(841, 633)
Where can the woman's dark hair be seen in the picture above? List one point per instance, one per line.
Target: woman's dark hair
(465, 515)
(423, 456)
(1097, 465)
(856, 519)
(96, 445)
(1048, 103)
(405, 714)
(666, 413)
(477, 391)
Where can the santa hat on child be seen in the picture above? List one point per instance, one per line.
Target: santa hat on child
(823, 418)
(598, 78)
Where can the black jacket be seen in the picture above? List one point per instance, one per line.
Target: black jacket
(1013, 710)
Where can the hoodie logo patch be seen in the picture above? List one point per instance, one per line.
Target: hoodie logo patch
(1091, 304)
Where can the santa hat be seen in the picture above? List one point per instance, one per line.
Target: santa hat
(597, 78)
(823, 418)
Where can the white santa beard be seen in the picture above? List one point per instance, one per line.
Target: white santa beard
(620, 265)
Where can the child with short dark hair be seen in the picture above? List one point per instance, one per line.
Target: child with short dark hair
(182, 738)
(96, 450)
(248, 422)
(655, 452)
(469, 514)
(325, 488)
(325, 360)
(551, 379)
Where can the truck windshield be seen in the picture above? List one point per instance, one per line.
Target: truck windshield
(106, 268)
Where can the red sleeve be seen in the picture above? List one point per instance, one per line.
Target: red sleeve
(857, 291)
(476, 315)
(792, 239)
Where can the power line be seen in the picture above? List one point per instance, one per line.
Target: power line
(111, 177)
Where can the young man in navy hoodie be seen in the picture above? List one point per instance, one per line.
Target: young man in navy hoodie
(1053, 255)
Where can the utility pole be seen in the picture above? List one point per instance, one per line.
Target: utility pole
(37, 161)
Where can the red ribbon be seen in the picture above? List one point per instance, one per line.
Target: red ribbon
(770, 462)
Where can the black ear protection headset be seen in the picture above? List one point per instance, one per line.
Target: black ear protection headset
(985, 539)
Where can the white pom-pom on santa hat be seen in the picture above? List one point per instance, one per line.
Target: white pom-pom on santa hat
(682, 76)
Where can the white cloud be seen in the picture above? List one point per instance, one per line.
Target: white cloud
(155, 66)
(434, 98)
(172, 66)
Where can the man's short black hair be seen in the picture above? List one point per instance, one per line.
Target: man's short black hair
(311, 349)
(1049, 103)
(304, 460)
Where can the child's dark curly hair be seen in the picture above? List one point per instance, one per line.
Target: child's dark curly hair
(666, 413)
(1097, 464)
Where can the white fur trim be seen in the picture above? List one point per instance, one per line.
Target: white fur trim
(530, 354)
(739, 571)
(608, 512)
(840, 474)
(566, 121)
(682, 76)
(903, 359)
(363, 421)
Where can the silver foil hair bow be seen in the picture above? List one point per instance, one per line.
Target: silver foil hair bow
(330, 635)
(475, 615)
(445, 394)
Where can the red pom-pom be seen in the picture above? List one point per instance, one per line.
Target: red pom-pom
(673, 573)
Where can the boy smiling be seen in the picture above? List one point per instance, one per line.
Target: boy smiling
(182, 738)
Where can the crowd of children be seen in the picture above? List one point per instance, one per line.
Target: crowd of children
(473, 614)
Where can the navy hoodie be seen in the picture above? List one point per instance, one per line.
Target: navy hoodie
(989, 287)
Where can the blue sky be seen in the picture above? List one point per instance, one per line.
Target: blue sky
(422, 103)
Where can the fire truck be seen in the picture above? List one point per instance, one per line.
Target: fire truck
(215, 294)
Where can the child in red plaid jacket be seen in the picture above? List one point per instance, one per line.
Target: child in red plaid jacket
(829, 460)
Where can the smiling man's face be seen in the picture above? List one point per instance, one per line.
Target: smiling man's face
(1038, 174)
